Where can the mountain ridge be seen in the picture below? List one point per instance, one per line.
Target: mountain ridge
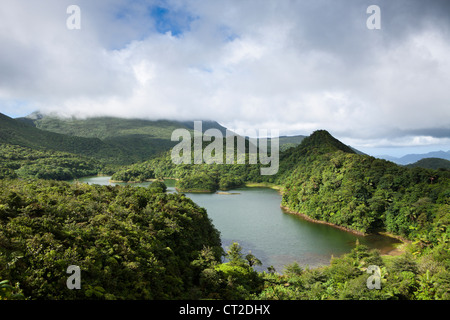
(145, 137)
(141, 139)
(431, 163)
(414, 157)
(19, 133)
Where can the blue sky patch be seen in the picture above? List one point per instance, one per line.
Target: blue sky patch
(166, 20)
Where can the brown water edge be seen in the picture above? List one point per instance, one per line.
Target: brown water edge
(307, 218)
(131, 182)
(385, 250)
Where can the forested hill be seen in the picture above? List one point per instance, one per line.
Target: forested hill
(319, 142)
(130, 243)
(431, 163)
(14, 132)
(140, 139)
(326, 180)
(106, 128)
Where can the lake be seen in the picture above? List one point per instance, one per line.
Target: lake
(253, 218)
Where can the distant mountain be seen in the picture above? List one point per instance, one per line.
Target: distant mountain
(208, 124)
(104, 128)
(411, 158)
(431, 163)
(287, 142)
(23, 134)
(140, 139)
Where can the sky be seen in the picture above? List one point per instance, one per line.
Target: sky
(291, 65)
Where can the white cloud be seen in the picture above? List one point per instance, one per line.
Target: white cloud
(293, 66)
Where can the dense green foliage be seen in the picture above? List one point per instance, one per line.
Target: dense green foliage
(135, 139)
(234, 279)
(158, 185)
(368, 194)
(417, 274)
(23, 162)
(138, 243)
(191, 177)
(423, 276)
(130, 242)
(431, 163)
(15, 132)
(139, 139)
(9, 292)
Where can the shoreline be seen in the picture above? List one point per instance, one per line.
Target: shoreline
(397, 250)
(308, 218)
(147, 180)
(121, 181)
(227, 193)
(264, 185)
(194, 190)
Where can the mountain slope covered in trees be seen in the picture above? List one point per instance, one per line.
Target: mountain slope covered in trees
(130, 243)
(140, 139)
(14, 132)
(431, 163)
(25, 163)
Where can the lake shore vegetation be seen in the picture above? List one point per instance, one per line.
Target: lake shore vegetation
(163, 246)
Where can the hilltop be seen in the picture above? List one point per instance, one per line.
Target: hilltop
(431, 163)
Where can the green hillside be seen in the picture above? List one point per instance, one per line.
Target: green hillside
(287, 142)
(130, 243)
(138, 138)
(14, 132)
(102, 127)
(25, 163)
(431, 163)
(113, 140)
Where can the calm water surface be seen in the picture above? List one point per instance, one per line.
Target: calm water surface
(253, 218)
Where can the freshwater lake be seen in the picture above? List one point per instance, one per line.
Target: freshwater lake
(253, 218)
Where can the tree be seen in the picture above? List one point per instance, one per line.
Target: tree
(235, 256)
(252, 260)
(158, 185)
